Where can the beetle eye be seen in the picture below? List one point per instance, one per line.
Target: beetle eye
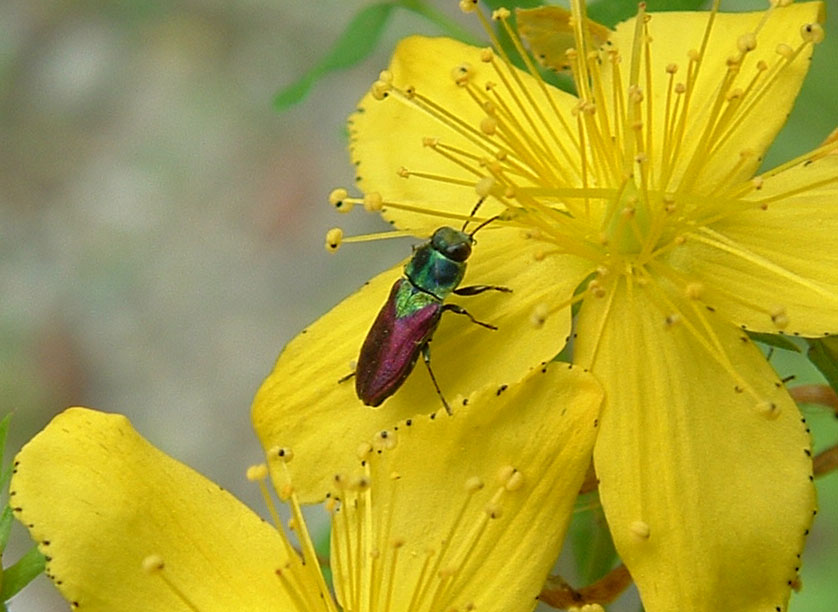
(459, 251)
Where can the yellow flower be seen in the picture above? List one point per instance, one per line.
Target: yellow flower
(640, 193)
(125, 527)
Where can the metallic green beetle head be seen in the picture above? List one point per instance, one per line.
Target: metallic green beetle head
(452, 243)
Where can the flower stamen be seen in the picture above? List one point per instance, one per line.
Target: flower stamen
(154, 566)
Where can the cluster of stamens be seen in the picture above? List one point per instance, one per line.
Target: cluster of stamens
(620, 177)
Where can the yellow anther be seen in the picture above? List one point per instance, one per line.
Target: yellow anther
(734, 94)
(285, 491)
(484, 186)
(493, 165)
(500, 14)
(812, 32)
(462, 73)
(640, 530)
(539, 315)
(331, 505)
(257, 472)
(338, 199)
(360, 484)
(762, 66)
(672, 68)
(680, 88)
(283, 453)
(380, 89)
(758, 182)
(473, 484)
(364, 450)
(786, 51)
(515, 481)
(672, 319)
(386, 76)
(694, 291)
(505, 473)
(373, 202)
(596, 288)
(447, 572)
(487, 55)
(403, 172)
(397, 543)
(337, 196)
(747, 42)
(779, 317)
(489, 126)
(493, 510)
(385, 440)
(152, 564)
(767, 409)
(334, 237)
(427, 141)
(468, 6)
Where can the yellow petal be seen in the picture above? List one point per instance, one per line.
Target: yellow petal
(548, 30)
(99, 499)
(704, 464)
(431, 497)
(301, 404)
(774, 270)
(759, 113)
(389, 133)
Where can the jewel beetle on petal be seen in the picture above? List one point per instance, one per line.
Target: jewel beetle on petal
(406, 323)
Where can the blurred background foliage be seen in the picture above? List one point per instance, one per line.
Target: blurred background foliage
(161, 224)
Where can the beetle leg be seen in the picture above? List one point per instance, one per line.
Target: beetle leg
(343, 379)
(426, 357)
(463, 311)
(475, 289)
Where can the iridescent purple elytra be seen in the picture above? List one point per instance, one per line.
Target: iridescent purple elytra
(409, 317)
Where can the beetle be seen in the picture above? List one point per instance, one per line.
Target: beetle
(406, 323)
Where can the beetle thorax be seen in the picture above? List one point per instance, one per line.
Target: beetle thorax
(438, 265)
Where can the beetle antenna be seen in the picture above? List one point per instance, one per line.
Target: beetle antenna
(482, 225)
(473, 212)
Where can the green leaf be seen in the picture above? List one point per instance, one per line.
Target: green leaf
(612, 12)
(780, 342)
(22, 573)
(6, 520)
(496, 4)
(593, 549)
(356, 42)
(823, 353)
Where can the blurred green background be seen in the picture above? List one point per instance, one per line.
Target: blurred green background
(161, 226)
